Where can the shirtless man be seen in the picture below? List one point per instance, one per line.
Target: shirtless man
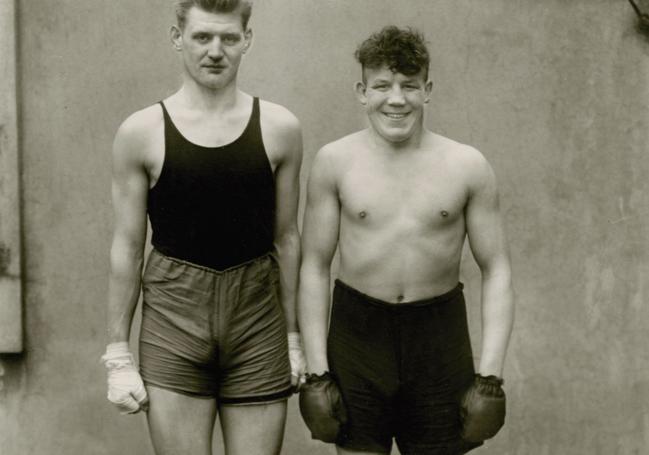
(217, 172)
(398, 201)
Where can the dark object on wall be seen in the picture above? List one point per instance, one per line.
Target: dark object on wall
(643, 18)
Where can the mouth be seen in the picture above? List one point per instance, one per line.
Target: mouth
(217, 68)
(396, 115)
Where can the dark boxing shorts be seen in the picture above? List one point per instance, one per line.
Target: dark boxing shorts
(402, 369)
(209, 333)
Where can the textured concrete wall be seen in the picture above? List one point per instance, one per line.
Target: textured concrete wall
(555, 93)
(11, 324)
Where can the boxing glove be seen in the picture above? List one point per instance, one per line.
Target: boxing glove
(322, 407)
(482, 410)
(296, 357)
(125, 387)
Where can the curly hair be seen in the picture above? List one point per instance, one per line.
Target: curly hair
(403, 50)
(213, 6)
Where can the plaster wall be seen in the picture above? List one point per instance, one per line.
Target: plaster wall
(554, 93)
(10, 251)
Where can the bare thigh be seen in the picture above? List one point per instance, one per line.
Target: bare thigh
(341, 451)
(253, 429)
(180, 424)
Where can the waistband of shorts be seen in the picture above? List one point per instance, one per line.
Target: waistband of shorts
(435, 300)
(263, 257)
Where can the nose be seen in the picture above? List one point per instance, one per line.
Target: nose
(396, 97)
(215, 50)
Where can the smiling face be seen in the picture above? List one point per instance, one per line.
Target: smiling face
(394, 102)
(212, 45)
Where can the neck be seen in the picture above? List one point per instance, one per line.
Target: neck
(409, 144)
(200, 97)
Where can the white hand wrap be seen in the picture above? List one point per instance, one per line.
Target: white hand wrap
(296, 356)
(125, 387)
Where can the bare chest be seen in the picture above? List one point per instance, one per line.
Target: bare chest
(415, 195)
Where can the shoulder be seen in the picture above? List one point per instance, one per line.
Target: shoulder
(332, 160)
(281, 132)
(342, 149)
(469, 163)
(139, 131)
(278, 120)
(465, 157)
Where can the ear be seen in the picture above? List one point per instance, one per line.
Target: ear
(428, 88)
(360, 89)
(176, 36)
(247, 40)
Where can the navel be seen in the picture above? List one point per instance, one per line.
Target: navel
(399, 298)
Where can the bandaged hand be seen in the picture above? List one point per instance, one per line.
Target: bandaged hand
(125, 387)
(297, 359)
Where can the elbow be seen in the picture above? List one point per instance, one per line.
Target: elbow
(125, 248)
(497, 269)
(126, 255)
(314, 266)
(287, 240)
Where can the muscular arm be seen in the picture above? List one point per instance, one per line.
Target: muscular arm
(319, 240)
(129, 191)
(488, 245)
(287, 237)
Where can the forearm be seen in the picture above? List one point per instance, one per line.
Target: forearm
(313, 314)
(497, 319)
(123, 291)
(288, 257)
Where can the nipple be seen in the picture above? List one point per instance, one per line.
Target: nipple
(444, 213)
(362, 214)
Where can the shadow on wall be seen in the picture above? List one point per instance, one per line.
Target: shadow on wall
(10, 373)
(643, 19)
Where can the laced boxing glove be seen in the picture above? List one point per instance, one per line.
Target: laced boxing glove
(125, 387)
(483, 409)
(296, 357)
(322, 407)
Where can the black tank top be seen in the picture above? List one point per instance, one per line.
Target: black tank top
(214, 206)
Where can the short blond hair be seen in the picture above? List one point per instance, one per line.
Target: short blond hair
(213, 6)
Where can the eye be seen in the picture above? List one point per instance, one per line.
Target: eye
(380, 87)
(231, 39)
(202, 38)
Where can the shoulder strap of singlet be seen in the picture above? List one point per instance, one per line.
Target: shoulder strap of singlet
(255, 108)
(255, 121)
(255, 115)
(165, 114)
(172, 135)
(168, 124)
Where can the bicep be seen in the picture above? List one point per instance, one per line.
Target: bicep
(484, 222)
(322, 215)
(130, 186)
(287, 185)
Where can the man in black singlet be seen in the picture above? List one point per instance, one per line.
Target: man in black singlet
(217, 172)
